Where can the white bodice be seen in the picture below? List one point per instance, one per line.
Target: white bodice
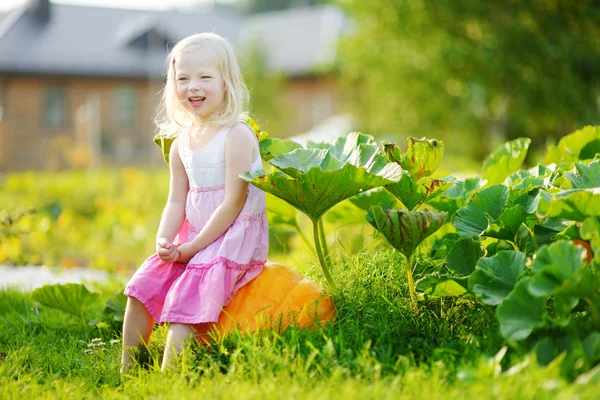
(205, 167)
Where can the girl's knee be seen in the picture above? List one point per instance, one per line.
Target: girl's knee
(182, 330)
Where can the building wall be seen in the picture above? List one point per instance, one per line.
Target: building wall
(312, 100)
(92, 132)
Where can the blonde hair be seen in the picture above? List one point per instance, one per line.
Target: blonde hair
(171, 116)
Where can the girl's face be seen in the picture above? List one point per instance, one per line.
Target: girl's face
(200, 86)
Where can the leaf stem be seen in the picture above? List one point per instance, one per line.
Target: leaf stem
(323, 240)
(593, 310)
(324, 264)
(411, 283)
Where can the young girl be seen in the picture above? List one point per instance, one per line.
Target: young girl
(212, 237)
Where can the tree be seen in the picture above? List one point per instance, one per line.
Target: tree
(473, 69)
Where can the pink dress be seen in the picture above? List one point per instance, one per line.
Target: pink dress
(196, 292)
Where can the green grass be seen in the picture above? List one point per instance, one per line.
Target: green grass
(377, 348)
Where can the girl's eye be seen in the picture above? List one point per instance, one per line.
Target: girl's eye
(205, 77)
(182, 79)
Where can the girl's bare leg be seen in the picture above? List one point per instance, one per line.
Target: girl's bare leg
(137, 328)
(178, 334)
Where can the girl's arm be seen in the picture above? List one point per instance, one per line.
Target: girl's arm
(239, 146)
(174, 213)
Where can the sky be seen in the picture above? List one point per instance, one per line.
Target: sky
(145, 4)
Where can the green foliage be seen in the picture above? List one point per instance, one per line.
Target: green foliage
(569, 148)
(484, 207)
(495, 277)
(505, 160)
(71, 298)
(405, 230)
(520, 312)
(99, 218)
(421, 159)
(316, 178)
(413, 67)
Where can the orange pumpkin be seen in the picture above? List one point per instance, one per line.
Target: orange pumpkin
(278, 297)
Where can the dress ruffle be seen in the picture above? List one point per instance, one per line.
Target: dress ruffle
(196, 292)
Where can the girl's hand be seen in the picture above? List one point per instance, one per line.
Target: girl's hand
(166, 250)
(186, 252)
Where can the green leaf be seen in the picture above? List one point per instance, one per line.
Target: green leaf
(538, 176)
(164, 141)
(569, 147)
(316, 191)
(585, 176)
(495, 277)
(422, 157)
(508, 224)
(591, 347)
(302, 160)
(345, 146)
(520, 312)
(273, 147)
(444, 288)
(405, 230)
(590, 150)
(115, 306)
(71, 298)
(574, 204)
(590, 231)
(463, 256)
(456, 196)
(505, 160)
(413, 193)
(560, 269)
(374, 197)
(485, 207)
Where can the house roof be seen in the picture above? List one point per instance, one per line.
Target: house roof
(81, 40)
(298, 40)
(98, 41)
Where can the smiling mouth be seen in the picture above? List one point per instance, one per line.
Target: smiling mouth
(196, 100)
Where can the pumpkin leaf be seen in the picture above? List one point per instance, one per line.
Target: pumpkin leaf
(485, 207)
(456, 196)
(345, 146)
(405, 230)
(505, 160)
(574, 204)
(374, 197)
(164, 141)
(315, 191)
(590, 231)
(71, 298)
(570, 146)
(584, 176)
(422, 157)
(520, 312)
(273, 147)
(560, 269)
(495, 277)
(414, 193)
(590, 150)
(302, 160)
(463, 256)
(443, 288)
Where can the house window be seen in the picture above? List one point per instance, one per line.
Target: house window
(56, 108)
(125, 105)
